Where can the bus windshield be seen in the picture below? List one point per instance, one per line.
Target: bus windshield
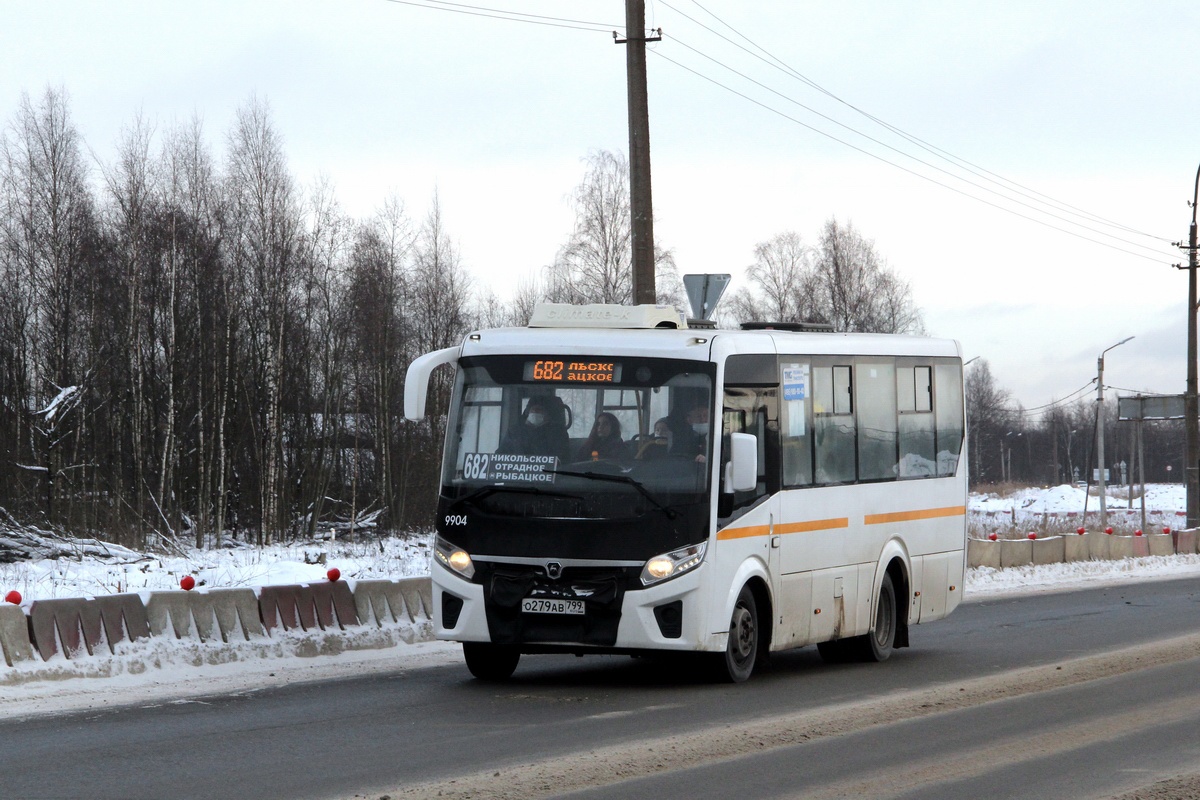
(579, 436)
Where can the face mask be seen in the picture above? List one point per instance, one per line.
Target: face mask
(536, 419)
(700, 428)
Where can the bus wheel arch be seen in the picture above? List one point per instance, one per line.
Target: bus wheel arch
(902, 588)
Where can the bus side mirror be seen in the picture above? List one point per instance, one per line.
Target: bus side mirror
(416, 382)
(741, 473)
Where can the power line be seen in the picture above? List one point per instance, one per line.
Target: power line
(898, 151)
(914, 173)
(962, 163)
(1029, 412)
(510, 16)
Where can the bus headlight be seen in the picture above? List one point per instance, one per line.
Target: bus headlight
(673, 564)
(453, 558)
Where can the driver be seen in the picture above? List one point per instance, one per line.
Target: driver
(540, 432)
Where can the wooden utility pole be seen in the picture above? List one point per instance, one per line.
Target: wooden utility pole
(641, 203)
(1190, 400)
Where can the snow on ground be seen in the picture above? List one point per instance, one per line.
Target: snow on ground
(391, 557)
(167, 671)
(1060, 509)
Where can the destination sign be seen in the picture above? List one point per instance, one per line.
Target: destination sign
(567, 371)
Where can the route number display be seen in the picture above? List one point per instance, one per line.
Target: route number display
(551, 370)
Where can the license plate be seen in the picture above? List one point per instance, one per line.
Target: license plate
(547, 605)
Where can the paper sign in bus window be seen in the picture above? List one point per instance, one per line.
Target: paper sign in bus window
(503, 467)
(795, 395)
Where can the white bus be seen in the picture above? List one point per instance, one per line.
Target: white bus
(827, 507)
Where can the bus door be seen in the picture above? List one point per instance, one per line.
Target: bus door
(750, 404)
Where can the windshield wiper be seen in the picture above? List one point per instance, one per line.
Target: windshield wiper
(603, 476)
(484, 491)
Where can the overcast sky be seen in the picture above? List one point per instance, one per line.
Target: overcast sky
(1091, 103)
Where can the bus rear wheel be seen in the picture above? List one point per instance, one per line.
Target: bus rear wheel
(491, 662)
(874, 646)
(877, 645)
(737, 662)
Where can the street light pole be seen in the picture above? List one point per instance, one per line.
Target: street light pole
(1100, 432)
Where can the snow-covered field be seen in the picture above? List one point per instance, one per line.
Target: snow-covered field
(1060, 509)
(169, 671)
(371, 557)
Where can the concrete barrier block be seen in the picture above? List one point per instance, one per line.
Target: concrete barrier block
(237, 614)
(15, 646)
(335, 604)
(1185, 541)
(373, 605)
(306, 608)
(1075, 548)
(1161, 544)
(169, 614)
(124, 617)
(204, 617)
(1140, 545)
(218, 615)
(1098, 545)
(1120, 547)
(278, 607)
(73, 622)
(418, 597)
(1016, 552)
(1050, 550)
(983, 553)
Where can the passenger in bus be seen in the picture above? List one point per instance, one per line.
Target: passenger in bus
(689, 433)
(657, 444)
(542, 431)
(604, 443)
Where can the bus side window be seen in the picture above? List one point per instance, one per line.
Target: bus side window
(834, 433)
(914, 394)
(948, 402)
(795, 432)
(876, 419)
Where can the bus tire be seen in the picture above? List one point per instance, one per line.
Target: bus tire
(491, 662)
(877, 645)
(736, 664)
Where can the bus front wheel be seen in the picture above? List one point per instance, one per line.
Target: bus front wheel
(491, 662)
(737, 662)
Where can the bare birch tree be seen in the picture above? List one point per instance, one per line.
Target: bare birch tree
(265, 235)
(198, 305)
(596, 263)
(48, 221)
(856, 289)
(843, 281)
(780, 282)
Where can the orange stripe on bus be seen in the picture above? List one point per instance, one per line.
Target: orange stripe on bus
(908, 516)
(791, 527)
(813, 525)
(744, 533)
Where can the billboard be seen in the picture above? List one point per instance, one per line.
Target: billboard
(1140, 407)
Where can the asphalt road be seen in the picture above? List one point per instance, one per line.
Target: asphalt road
(1088, 694)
